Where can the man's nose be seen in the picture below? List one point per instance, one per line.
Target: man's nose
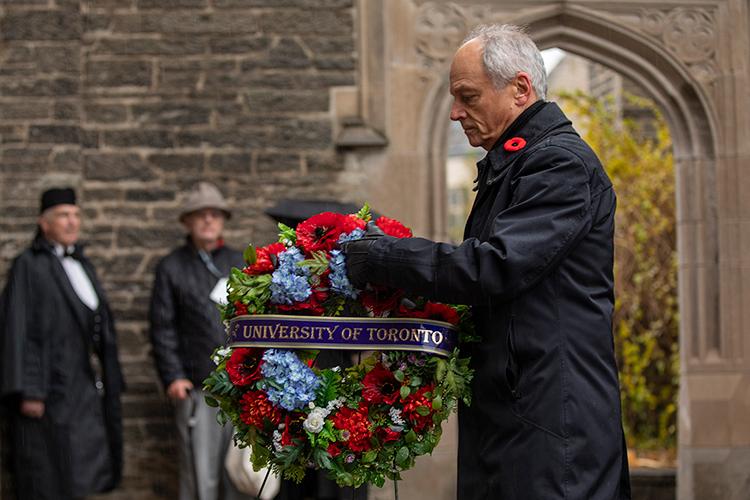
(457, 112)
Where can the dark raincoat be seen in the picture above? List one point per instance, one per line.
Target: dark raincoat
(53, 348)
(536, 266)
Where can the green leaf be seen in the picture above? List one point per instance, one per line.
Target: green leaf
(405, 391)
(440, 370)
(364, 213)
(211, 402)
(410, 437)
(399, 375)
(287, 235)
(423, 410)
(369, 456)
(402, 457)
(250, 255)
(437, 403)
(318, 264)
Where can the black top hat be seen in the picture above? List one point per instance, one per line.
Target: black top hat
(57, 196)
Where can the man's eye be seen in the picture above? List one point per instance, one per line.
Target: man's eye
(470, 98)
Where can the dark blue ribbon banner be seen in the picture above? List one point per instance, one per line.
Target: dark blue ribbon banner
(362, 334)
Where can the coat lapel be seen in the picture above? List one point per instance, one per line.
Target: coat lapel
(58, 272)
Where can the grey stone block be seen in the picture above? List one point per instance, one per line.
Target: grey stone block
(66, 111)
(150, 46)
(116, 167)
(139, 138)
(322, 21)
(148, 237)
(170, 4)
(118, 73)
(172, 114)
(24, 110)
(105, 113)
(149, 194)
(39, 87)
(269, 101)
(177, 164)
(310, 4)
(56, 134)
(239, 45)
(40, 25)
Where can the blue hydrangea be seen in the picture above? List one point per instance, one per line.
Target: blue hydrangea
(289, 282)
(339, 280)
(354, 235)
(289, 382)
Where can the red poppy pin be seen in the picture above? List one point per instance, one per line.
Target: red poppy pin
(514, 144)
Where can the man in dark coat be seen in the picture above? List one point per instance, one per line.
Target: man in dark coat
(185, 329)
(536, 266)
(60, 375)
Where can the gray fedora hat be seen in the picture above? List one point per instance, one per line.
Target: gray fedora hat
(204, 195)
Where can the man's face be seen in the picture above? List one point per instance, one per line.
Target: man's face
(483, 110)
(205, 225)
(61, 224)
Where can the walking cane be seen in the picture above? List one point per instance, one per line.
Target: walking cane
(192, 421)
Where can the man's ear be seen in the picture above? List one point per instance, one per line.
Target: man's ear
(41, 221)
(524, 90)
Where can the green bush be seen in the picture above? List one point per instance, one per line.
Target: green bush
(637, 154)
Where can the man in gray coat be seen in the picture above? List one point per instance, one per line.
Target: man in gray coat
(536, 266)
(185, 329)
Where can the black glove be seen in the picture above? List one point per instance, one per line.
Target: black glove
(356, 255)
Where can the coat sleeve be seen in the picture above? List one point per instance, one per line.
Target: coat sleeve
(163, 328)
(23, 349)
(549, 212)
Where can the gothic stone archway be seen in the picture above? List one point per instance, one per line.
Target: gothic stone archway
(692, 58)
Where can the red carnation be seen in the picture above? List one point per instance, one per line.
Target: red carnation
(355, 424)
(386, 434)
(412, 402)
(432, 310)
(322, 231)
(313, 306)
(334, 450)
(380, 386)
(240, 309)
(244, 365)
(352, 222)
(256, 409)
(380, 300)
(392, 227)
(263, 263)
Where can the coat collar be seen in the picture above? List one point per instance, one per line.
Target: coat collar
(533, 125)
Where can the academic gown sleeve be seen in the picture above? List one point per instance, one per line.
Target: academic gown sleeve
(550, 210)
(23, 348)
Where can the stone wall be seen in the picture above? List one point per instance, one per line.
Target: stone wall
(132, 101)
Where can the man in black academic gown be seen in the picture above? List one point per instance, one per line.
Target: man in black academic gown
(60, 378)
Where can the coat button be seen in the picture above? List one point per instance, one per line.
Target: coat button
(97, 328)
(97, 318)
(97, 337)
(99, 385)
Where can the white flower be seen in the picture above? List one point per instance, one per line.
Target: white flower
(315, 420)
(221, 354)
(396, 416)
(277, 441)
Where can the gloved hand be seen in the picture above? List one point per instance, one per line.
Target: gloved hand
(356, 255)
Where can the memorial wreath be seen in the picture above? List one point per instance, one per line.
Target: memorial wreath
(361, 424)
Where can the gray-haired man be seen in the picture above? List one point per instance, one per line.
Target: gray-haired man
(536, 267)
